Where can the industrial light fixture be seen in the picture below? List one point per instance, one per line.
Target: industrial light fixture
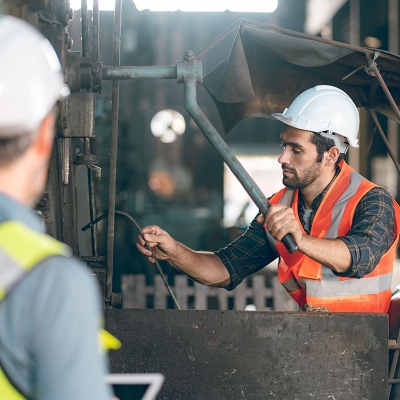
(168, 125)
(266, 6)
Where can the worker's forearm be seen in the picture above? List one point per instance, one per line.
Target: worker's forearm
(332, 253)
(204, 267)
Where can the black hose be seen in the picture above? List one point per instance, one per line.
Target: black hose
(125, 214)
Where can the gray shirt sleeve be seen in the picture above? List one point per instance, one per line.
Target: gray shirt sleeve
(49, 327)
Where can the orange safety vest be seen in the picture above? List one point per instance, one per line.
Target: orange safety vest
(308, 281)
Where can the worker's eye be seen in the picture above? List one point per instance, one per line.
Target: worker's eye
(296, 151)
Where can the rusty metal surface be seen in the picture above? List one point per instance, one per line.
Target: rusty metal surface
(81, 106)
(113, 152)
(254, 355)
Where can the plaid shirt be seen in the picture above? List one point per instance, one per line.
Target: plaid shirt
(371, 235)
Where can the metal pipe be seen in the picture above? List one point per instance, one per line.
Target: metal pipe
(227, 154)
(385, 89)
(387, 144)
(149, 72)
(92, 199)
(96, 31)
(113, 152)
(88, 142)
(85, 28)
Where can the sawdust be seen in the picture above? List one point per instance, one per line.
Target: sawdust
(310, 308)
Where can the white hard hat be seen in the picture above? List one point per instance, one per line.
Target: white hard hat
(326, 110)
(31, 79)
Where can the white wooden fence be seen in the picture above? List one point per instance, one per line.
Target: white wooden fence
(265, 292)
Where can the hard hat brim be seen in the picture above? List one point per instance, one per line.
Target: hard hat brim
(285, 120)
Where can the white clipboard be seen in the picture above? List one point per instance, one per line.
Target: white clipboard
(154, 380)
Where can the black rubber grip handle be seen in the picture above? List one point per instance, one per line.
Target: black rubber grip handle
(290, 243)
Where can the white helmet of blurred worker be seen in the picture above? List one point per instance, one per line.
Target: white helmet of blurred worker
(326, 110)
(31, 79)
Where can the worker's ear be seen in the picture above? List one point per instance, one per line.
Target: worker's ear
(45, 136)
(332, 155)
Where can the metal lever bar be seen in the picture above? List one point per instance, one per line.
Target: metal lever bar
(255, 193)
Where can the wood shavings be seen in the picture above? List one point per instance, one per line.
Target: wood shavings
(310, 308)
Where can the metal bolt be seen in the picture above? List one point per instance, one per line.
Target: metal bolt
(189, 55)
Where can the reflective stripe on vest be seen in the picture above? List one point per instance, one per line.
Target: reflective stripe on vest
(307, 281)
(21, 248)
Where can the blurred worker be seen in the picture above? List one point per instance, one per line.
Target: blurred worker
(50, 308)
(346, 227)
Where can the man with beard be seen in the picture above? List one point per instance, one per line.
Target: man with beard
(346, 228)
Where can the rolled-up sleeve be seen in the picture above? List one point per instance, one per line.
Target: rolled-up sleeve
(247, 254)
(372, 232)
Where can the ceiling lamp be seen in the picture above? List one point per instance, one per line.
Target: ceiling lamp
(168, 125)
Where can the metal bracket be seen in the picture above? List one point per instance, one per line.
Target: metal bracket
(188, 68)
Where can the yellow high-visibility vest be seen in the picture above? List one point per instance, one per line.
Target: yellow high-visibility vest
(21, 249)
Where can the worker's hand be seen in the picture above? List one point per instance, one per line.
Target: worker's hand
(160, 241)
(280, 221)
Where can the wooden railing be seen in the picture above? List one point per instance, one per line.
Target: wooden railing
(263, 291)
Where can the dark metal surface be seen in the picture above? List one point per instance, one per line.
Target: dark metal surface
(81, 106)
(254, 355)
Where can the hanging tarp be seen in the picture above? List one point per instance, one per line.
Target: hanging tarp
(269, 66)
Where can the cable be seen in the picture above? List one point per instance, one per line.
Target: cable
(125, 214)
